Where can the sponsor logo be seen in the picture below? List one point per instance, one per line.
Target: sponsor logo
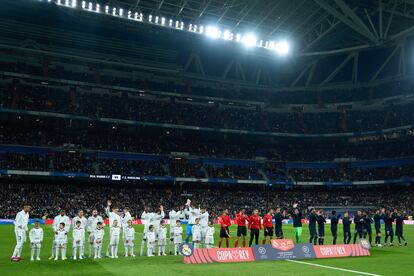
(283, 244)
(261, 250)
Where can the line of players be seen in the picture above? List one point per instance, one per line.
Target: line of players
(155, 232)
(199, 227)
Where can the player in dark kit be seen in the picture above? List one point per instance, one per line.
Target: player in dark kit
(268, 226)
(255, 225)
(379, 215)
(367, 226)
(279, 217)
(321, 227)
(334, 226)
(241, 220)
(399, 222)
(389, 231)
(346, 222)
(225, 223)
(312, 226)
(359, 225)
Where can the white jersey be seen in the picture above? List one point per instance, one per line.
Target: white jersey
(192, 214)
(146, 220)
(114, 234)
(112, 217)
(204, 219)
(174, 216)
(156, 220)
(127, 216)
(36, 235)
(78, 234)
(196, 232)
(151, 237)
(210, 235)
(92, 222)
(83, 221)
(21, 221)
(162, 233)
(61, 236)
(98, 235)
(178, 234)
(129, 233)
(58, 220)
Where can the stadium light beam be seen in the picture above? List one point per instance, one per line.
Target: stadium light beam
(282, 48)
(213, 32)
(249, 40)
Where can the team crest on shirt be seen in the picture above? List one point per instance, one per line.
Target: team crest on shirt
(186, 250)
(364, 243)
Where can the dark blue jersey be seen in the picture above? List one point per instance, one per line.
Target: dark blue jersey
(399, 221)
(278, 220)
(334, 221)
(312, 221)
(359, 222)
(388, 222)
(377, 220)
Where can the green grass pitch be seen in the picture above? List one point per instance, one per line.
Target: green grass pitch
(383, 261)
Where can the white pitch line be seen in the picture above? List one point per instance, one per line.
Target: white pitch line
(335, 268)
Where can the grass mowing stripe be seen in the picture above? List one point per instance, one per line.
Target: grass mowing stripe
(335, 268)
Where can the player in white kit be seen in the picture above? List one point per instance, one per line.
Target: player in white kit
(61, 241)
(91, 227)
(125, 219)
(98, 235)
(20, 230)
(112, 215)
(204, 217)
(174, 216)
(209, 241)
(78, 235)
(197, 233)
(61, 218)
(162, 238)
(151, 241)
(115, 234)
(178, 236)
(36, 239)
(129, 236)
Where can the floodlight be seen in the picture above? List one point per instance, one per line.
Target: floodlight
(98, 8)
(238, 37)
(90, 6)
(249, 40)
(150, 18)
(67, 2)
(113, 11)
(121, 12)
(74, 3)
(156, 19)
(129, 14)
(106, 9)
(282, 47)
(195, 28)
(83, 4)
(162, 20)
(170, 23)
(213, 32)
(182, 25)
(201, 29)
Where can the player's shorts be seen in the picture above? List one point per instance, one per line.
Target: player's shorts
(20, 235)
(96, 244)
(36, 245)
(312, 231)
(178, 240)
(268, 232)
(189, 230)
(279, 232)
(209, 240)
(61, 243)
(368, 230)
(162, 242)
(378, 229)
(224, 232)
(80, 244)
(399, 231)
(114, 240)
(91, 237)
(197, 236)
(321, 232)
(389, 232)
(241, 231)
(203, 232)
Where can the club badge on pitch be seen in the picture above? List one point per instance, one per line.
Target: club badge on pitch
(186, 249)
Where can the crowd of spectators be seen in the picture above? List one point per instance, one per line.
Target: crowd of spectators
(128, 106)
(48, 199)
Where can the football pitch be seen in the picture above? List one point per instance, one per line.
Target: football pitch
(383, 261)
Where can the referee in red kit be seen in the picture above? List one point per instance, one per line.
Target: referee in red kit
(224, 228)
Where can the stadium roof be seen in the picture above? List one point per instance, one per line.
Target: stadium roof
(313, 25)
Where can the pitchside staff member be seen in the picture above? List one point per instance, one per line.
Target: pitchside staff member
(312, 226)
(268, 226)
(279, 217)
(399, 222)
(379, 215)
(334, 226)
(224, 228)
(241, 219)
(255, 225)
(359, 225)
(297, 223)
(346, 221)
(367, 226)
(321, 227)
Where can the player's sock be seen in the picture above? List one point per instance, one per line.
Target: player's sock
(171, 246)
(236, 243)
(244, 243)
(219, 244)
(64, 253)
(142, 247)
(32, 252)
(56, 252)
(264, 241)
(38, 253)
(227, 243)
(74, 252)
